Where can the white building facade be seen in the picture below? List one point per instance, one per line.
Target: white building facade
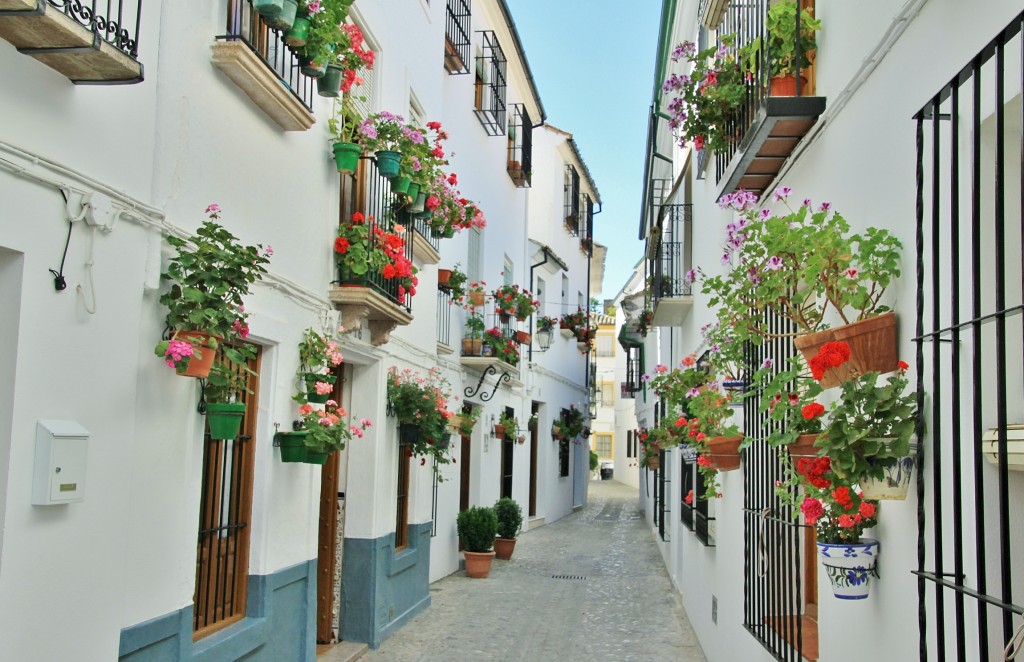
(219, 114)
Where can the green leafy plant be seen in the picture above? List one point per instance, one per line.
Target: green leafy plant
(318, 356)
(477, 527)
(230, 372)
(573, 422)
(545, 323)
(510, 424)
(326, 35)
(781, 55)
(344, 122)
(706, 98)
(594, 460)
(871, 423)
(510, 517)
(469, 417)
(789, 397)
(457, 283)
(422, 401)
(801, 265)
(502, 348)
(210, 275)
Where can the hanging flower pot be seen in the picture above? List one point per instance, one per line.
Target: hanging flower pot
(329, 85)
(414, 191)
(872, 347)
(268, 9)
(895, 481)
(557, 431)
(504, 317)
(408, 433)
(419, 202)
(307, 68)
(582, 346)
(388, 162)
(284, 20)
(400, 185)
(346, 156)
(202, 358)
(523, 338)
(849, 566)
(293, 445)
(803, 446)
(225, 419)
(315, 457)
(499, 431)
(654, 461)
(724, 452)
(443, 276)
(297, 34)
(312, 379)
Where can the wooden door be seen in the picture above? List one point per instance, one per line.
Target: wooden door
(327, 556)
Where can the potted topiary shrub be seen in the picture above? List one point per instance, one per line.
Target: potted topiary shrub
(477, 527)
(510, 520)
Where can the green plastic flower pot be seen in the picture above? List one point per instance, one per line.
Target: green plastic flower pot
(311, 379)
(400, 185)
(284, 19)
(388, 162)
(346, 156)
(307, 68)
(408, 433)
(414, 190)
(268, 8)
(314, 457)
(296, 36)
(417, 206)
(293, 446)
(329, 85)
(225, 419)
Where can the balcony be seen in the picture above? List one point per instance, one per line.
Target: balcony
(456, 37)
(768, 126)
(426, 246)
(670, 256)
(444, 320)
(91, 43)
(520, 146)
(371, 301)
(255, 57)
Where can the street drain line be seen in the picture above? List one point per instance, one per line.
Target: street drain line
(567, 577)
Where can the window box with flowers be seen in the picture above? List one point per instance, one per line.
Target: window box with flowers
(420, 404)
(806, 266)
(374, 275)
(499, 346)
(210, 275)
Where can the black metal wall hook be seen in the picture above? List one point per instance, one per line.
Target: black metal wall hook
(201, 407)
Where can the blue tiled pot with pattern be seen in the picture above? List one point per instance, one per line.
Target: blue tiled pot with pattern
(849, 566)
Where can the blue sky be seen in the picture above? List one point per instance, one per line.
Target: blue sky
(593, 61)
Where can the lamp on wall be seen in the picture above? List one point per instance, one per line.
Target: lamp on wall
(544, 339)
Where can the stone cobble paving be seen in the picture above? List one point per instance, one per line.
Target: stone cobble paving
(616, 604)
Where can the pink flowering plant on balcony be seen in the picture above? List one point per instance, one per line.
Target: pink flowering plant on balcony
(803, 264)
(318, 357)
(423, 162)
(327, 429)
(449, 211)
(383, 131)
(422, 401)
(706, 95)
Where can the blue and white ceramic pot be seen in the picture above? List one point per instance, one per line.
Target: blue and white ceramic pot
(849, 566)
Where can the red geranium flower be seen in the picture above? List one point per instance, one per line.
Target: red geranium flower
(813, 410)
(341, 245)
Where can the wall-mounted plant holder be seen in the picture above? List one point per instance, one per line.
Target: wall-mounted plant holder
(1014, 446)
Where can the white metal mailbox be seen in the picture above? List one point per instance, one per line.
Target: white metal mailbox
(61, 453)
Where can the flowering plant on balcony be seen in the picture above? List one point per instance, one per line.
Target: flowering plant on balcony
(675, 387)
(423, 161)
(502, 348)
(802, 265)
(872, 422)
(351, 56)
(515, 301)
(645, 321)
(838, 512)
(422, 401)
(318, 356)
(705, 98)
(457, 283)
(710, 411)
(545, 323)
(780, 24)
(210, 274)
(327, 429)
(345, 120)
(449, 211)
(573, 321)
(327, 34)
(789, 397)
(385, 131)
(585, 335)
(362, 247)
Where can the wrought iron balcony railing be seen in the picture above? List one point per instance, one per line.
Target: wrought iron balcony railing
(672, 254)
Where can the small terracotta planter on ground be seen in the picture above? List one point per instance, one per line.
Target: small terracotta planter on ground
(725, 452)
(872, 347)
(503, 548)
(478, 564)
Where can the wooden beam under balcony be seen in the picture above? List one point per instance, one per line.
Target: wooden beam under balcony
(65, 45)
(780, 125)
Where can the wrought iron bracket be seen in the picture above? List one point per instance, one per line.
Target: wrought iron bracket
(471, 392)
(201, 407)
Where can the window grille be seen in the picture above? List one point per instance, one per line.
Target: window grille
(572, 200)
(634, 370)
(508, 446)
(222, 558)
(402, 497)
(456, 37)
(489, 87)
(444, 315)
(672, 253)
(687, 486)
(247, 26)
(520, 146)
(970, 335)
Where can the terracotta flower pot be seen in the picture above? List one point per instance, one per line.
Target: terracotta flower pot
(198, 366)
(872, 344)
(443, 276)
(503, 548)
(477, 298)
(654, 462)
(478, 564)
(523, 338)
(725, 452)
(785, 86)
(804, 446)
(499, 431)
(472, 346)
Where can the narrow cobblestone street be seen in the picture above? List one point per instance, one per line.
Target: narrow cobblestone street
(591, 586)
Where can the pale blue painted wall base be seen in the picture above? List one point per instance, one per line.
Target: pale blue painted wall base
(382, 589)
(279, 626)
